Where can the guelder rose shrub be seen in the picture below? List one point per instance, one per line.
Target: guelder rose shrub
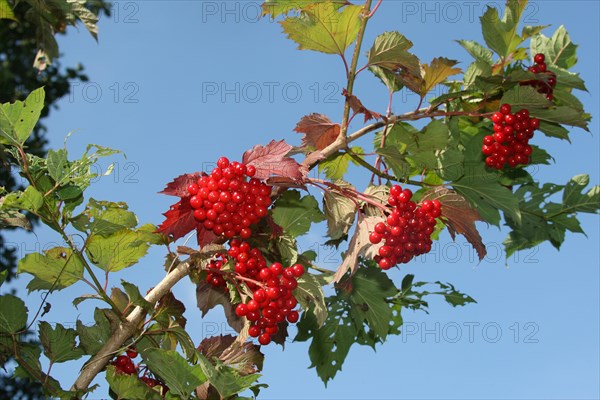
(466, 162)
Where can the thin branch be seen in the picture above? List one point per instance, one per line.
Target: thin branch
(127, 328)
(353, 64)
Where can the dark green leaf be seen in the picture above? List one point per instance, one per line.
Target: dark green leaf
(181, 377)
(13, 314)
(59, 343)
(129, 386)
(311, 297)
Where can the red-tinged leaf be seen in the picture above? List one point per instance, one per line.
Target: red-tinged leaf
(358, 108)
(246, 356)
(319, 132)
(208, 297)
(179, 220)
(178, 187)
(272, 160)
(459, 216)
(205, 236)
(359, 245)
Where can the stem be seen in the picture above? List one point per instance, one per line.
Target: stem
(377, 172)
(127, 328)
(352, 71)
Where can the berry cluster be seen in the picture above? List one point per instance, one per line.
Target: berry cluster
(272, 288)
(225, 203)
(407, 230)
(548, 81)
(510, 142)
(124, 364)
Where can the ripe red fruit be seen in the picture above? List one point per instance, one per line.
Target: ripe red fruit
(374, 237)
(223, 162)
(539, 58)
(505, 109)
(122, 361)
(264, 339)
(241, 310)
(298, 270)
(131, 353)
(498, 117)
(293, 317)
(254, 331)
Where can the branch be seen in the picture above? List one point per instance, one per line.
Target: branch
(354, 63)
(127, 328)
(342, 141)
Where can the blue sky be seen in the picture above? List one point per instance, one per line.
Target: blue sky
(176, 84)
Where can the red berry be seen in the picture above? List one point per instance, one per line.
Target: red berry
(131, 353)
(241, 310)
(375, 238)
(539, 58)
(298, 270)
(497, 117)
(293, 317)
(254, 331)
(505, 109)
(264, 339)
(223, 162)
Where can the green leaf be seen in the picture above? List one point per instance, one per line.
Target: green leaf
(104, 218)
(83, 14)
(574, 200)
(563, 115)
(6, 11)
(340, 211)
(331, 343)
(226, 380)
(57, 164)
(18, 119)
(135, 297)
(93, 338)
(475, 70)
(390, 52)
(489, 197)
(501, 35)
(295, 214)
(525, 97)
(554, 130)
(56, 269)
(3, 275)
(567, 79)
(389, 79)
(59, 343)
(181, 377)
(287, 249)
(117, 251)
(559, 50)
(129, 386)
(13, 314)
(477, 51)
(370, 289)
(30, 200)
(310, 296)
(322, 27)
(279, 7)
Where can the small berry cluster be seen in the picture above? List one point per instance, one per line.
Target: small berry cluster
(225, 203)
(510, 142)
(272, 288)
(407, 230)
(124, 364)
(547, 83)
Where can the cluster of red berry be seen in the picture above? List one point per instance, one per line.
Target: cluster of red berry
(124, 364)
(548, 81)
(407, 230)
(510, 142)
(272, 288)
(226, 203)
